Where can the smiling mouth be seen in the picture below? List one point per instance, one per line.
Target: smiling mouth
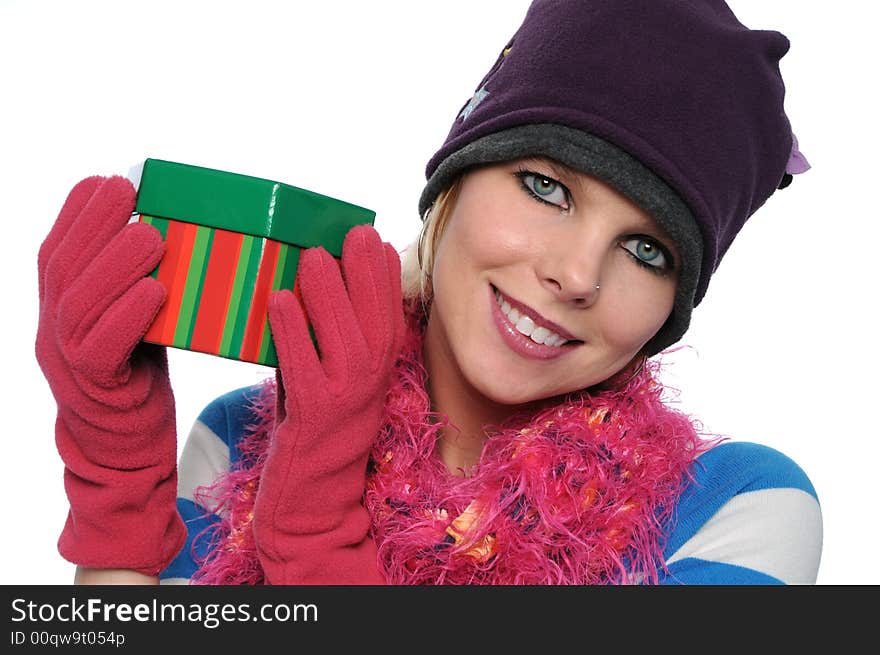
(531, 326)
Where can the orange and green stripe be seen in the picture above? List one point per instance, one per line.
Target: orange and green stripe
(239, 300)
(218, 285)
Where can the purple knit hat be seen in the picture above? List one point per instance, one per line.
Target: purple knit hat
(674, 103)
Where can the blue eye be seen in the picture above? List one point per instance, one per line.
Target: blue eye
(544, 189)
(648, 252)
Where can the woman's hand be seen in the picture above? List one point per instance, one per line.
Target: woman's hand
(115, 429)
(309, 523)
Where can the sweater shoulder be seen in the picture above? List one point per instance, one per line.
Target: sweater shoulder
(750, 514)
(744, 466)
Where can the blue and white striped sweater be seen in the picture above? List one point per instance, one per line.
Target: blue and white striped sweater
(751, 516)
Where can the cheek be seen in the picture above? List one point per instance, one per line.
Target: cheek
(481, 234)
(636, 316)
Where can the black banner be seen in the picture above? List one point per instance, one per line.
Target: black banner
(123, 618)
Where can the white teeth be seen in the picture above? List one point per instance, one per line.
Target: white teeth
(539, 334)
(526, 326)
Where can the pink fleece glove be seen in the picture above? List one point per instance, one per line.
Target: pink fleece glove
(115, 429)
(310, 525)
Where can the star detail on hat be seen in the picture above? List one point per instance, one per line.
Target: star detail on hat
(475, 100)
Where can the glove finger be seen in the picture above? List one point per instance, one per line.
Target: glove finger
(297, 359)
(103, 356)
(103, 216)
(395, 280)
(129, 256)
(77, 198)
(327, 303)
(371, 284)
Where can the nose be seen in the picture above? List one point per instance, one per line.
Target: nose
(573, 273)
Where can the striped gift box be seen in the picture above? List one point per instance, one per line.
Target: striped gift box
(230, 241)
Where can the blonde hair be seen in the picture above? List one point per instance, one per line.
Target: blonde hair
(417, 264)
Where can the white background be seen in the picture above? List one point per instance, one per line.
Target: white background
(350, 99)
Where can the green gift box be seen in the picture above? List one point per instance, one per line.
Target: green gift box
(231, 240)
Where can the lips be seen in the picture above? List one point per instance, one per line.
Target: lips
(531, 335)
(537, 319)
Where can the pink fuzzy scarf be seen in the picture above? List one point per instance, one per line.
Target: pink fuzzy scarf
(580, 493)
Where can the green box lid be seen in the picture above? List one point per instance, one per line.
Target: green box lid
(241, 203)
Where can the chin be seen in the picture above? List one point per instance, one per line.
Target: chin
(507, 390)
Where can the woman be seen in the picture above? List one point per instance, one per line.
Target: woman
(507, 426)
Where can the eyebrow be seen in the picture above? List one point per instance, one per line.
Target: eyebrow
(556, 167)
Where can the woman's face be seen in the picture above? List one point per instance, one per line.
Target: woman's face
(517, 315)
